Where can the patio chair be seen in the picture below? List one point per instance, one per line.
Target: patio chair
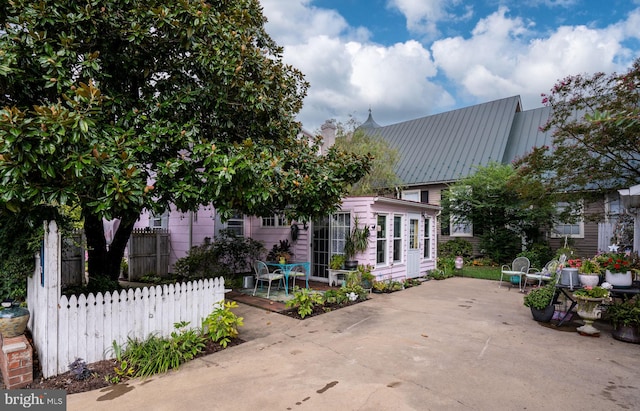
(297, 272)
(518, 268)
(263, 274)
(546, 274)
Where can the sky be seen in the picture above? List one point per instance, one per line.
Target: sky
(406, 59)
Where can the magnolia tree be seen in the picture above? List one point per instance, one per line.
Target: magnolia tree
(118, 106)
(596, 136)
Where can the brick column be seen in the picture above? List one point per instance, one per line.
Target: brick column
(16, 361)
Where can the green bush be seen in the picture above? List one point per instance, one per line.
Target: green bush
(222, 324)
(455, 247)
(304, 300)
(157, 355)
(227, 255)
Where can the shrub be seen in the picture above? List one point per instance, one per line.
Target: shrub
(304, 300)
(455, 247)
(227, 255)
(79, 369)
(222, 324)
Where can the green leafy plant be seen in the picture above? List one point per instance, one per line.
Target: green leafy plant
(222, 324)
(456, 247)
(540, 298)
(304, 300)
(589, 266)
(280, 250)
(157, 355)
(592, 292)
(625, 313)
(337, 261)
(357, 240)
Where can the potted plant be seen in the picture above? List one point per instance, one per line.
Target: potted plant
(356, 241)
(336, 262)
(617, 269)
(280, 252)
(589, 272)
(366, 278)
(539, 300)
(589, 300)
(625, 318)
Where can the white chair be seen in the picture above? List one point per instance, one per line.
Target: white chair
(519, 268)
(546, 274)
(263, 274)
(297, 272)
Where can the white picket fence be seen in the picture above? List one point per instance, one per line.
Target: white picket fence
(85, 327)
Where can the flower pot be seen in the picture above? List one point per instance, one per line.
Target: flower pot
(569, 276)
(619, 279)
(351, 265)
(589, 311)
(13, 321)
(544, 315)
(626, 333)
(589, 280)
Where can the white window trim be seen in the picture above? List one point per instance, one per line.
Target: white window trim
(428, 236)
(580, 224)
(458, 233)
(385, 263)
(401, 237)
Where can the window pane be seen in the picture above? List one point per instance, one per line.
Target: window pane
(381, 240)
(397, 238)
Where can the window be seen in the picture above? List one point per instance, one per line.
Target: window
(427, 238)
(340, 226)
(459, 228)
(160, 221)
(424, 196)
(414, 241)
(397, 238)
(411, 195)
(381, 239)
(236, 224)
(277, 220)
(571, 229)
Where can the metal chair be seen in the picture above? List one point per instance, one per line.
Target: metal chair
(519, 268)
(263, 274)
(546, 274)
(297, 272)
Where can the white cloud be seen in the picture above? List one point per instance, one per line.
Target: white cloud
(502, 58)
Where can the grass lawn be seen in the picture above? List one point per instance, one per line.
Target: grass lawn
(483, 272)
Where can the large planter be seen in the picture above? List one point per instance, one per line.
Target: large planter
(589, 280)
(569, 277)
(543, 315)
(13, 321)
(589, 311)
(627, 333)
(619, 279)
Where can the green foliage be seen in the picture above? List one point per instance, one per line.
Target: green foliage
(439, 274)
(590, 152)
(625, 312)
(92, 117)
(282, 249)
(382, 177)
(357, 240)
(227, 255)
(222, 324)
(494, 200)
(157, 355)
(304, 300)
(540, 298)
(455, 247)
(337, 261)
(447, 264)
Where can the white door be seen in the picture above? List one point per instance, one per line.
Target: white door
(413, 252)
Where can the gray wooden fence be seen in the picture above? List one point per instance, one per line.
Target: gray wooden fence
(148, 254)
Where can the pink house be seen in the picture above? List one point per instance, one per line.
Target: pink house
(403, 242)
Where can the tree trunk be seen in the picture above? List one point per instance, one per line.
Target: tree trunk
(103, 262)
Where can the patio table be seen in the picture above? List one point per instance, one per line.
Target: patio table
(288, 267)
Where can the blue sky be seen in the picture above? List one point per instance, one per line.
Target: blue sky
(406, 59)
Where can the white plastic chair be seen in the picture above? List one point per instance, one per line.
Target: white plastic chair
(263, 274)
(519, 267)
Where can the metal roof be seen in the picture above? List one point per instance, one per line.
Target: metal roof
(447, 146)
(526, 134)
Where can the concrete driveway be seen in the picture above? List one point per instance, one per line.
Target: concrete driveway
(457, 344)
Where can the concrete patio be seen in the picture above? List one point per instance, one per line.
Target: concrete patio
(460, 344)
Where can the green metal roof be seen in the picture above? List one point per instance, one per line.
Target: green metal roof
(448, 146)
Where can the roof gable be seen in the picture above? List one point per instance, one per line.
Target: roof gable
(447, 146)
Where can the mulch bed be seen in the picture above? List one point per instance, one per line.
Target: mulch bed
(317, 309)
(100, 371)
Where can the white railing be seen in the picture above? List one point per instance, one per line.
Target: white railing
(85, 327)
